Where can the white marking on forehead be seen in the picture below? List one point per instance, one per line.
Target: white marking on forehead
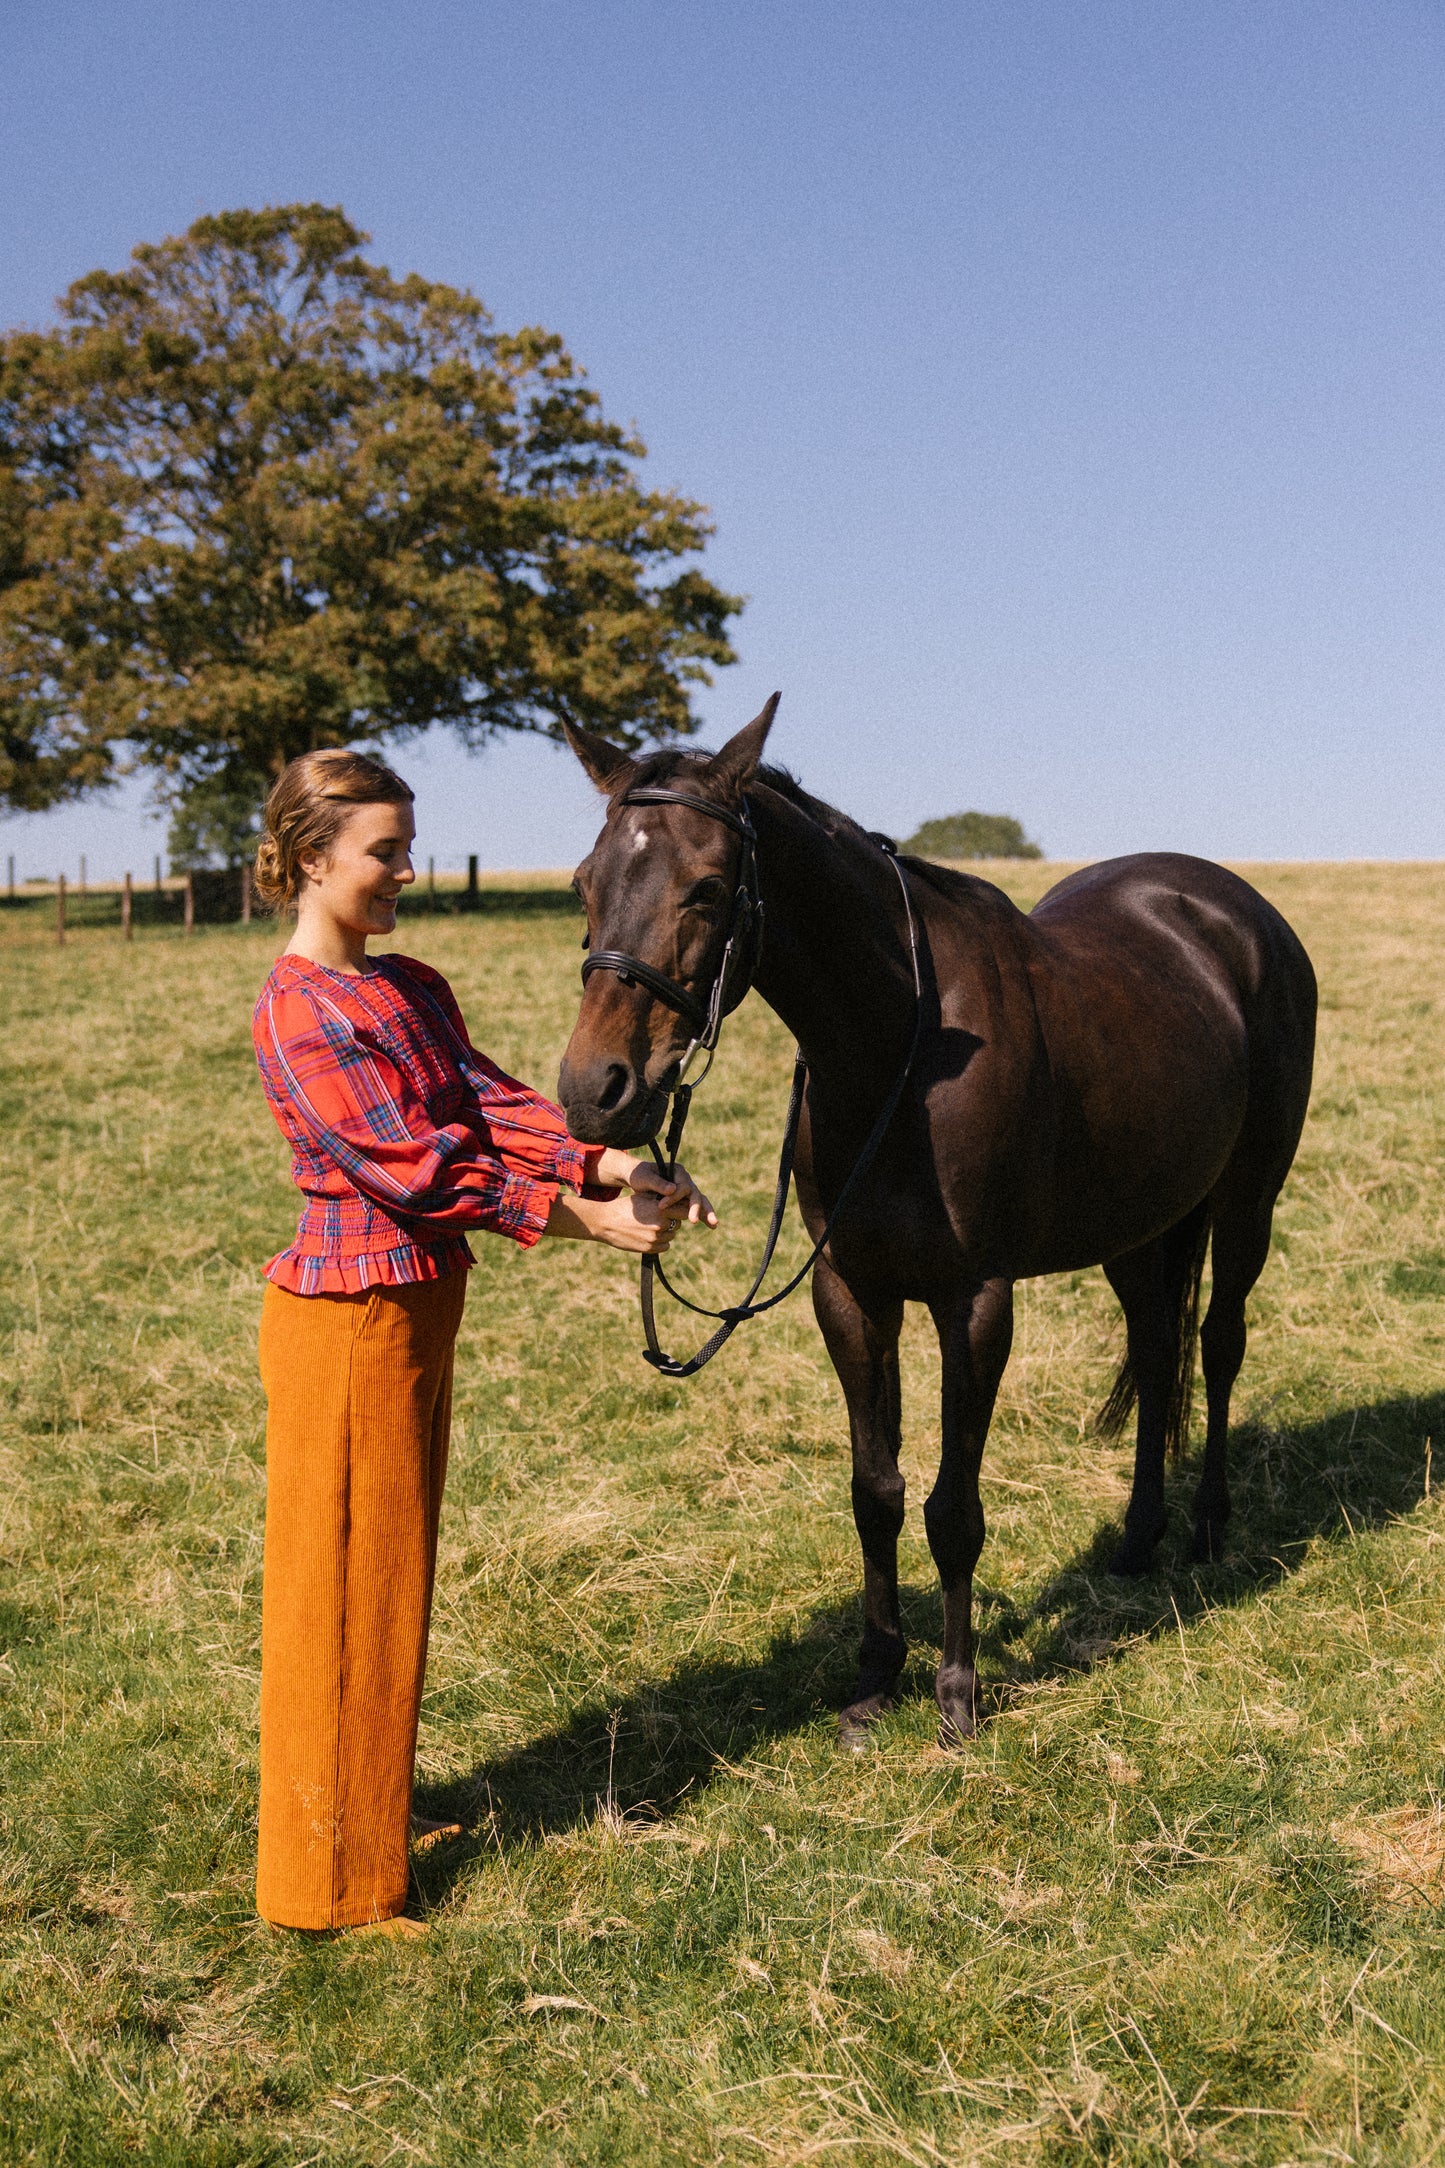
(639, 841)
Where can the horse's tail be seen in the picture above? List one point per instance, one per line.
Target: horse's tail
(1119, 1406)
(1124, 1391)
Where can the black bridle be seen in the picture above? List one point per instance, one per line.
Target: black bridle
(739, 959)
(734, 975)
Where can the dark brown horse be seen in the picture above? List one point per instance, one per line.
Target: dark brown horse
(1108, 1080)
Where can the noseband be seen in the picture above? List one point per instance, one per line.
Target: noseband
(734, 975)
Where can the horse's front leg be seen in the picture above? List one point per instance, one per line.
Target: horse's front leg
(975, 1335)
(862, 1339)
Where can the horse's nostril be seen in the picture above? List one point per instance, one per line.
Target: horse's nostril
(615, 1089)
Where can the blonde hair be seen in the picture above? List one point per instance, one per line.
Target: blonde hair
(306, 809)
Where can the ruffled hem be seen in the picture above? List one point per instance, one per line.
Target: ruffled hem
(303, 1273)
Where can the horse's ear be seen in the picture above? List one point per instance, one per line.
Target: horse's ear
(603, 761)
(737, 763)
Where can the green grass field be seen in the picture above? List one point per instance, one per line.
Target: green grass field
(1181, 1900)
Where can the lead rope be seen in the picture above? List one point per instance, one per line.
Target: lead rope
(666, 1157)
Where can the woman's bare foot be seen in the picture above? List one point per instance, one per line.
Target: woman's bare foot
(425, 1832)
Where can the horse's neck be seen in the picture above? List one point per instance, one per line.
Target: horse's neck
(834, 962)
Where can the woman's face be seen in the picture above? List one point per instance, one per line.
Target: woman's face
(357, 881)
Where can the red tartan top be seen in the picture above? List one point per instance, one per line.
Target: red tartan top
(401, 1133)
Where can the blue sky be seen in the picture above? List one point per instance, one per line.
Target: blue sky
(1066, 381)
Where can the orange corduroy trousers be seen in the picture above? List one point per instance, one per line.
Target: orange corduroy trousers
(358, 1389)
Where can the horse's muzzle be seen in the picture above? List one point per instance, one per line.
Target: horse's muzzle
(607, 1102)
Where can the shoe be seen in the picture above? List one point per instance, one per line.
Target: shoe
(425, 1832)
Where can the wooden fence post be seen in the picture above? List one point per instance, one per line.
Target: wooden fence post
(84, 886)
(245, 891)
(158, 872)
(431, 878)
(60, 912)
(125, 899)
(190, 903)
(472, 878)
(12, 876)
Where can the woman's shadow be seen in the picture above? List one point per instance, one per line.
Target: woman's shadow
(642, 1757)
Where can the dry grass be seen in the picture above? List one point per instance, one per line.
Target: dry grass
(1402, 1852)
(1180, 1901)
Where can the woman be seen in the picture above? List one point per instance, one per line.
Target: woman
(403, 1138)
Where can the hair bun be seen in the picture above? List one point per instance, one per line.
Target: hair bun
(270, 883)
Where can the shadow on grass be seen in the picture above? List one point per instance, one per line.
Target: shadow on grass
(1335, 1478)
(663, 1743)
(652, 1749)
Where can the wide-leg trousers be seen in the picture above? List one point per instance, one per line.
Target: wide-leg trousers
(359, 1410)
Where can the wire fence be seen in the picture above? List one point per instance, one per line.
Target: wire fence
(181, 902)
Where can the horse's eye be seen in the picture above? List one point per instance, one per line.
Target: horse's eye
(704, 895)
(586, 940)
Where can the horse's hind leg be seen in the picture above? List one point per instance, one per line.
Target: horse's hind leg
(975, 1336)
(1243, 1214)
(862, 1340)
(1158, 1286)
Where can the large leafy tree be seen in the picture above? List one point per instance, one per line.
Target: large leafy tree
(257, 496)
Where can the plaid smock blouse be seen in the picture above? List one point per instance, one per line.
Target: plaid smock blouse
(402, 1135)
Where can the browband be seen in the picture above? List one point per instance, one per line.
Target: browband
(659, 794)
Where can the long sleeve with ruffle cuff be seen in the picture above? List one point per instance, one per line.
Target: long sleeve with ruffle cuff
(403, 1136)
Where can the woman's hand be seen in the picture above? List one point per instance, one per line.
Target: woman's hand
(681, 1199)
(641, 1224)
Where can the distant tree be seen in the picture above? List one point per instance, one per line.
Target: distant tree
(972, 835)
(257, 495)
(214, 823)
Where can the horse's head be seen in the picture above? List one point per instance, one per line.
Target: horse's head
(661, 889)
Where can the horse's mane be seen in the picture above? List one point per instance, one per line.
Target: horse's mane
(827, 817)
(672, 765)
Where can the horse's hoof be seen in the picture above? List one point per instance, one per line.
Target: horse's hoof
(956, 1691)
(857, 1721)
(1134, 1558)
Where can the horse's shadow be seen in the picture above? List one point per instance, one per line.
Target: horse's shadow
(1292, 1485)
(661, 1745)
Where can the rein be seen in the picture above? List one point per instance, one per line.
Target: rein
(733, 978)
